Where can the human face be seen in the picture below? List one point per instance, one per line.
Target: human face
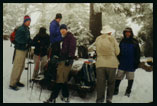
(109, 33)
(127, 34)
(63, 32)
(27, 23)
(58, 20)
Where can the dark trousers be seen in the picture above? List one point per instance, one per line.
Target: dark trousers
(55, 49)
(60, 87)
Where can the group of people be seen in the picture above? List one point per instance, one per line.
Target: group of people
(110, 57)
(62, 44)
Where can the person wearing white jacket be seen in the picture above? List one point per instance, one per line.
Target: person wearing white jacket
(107, 50)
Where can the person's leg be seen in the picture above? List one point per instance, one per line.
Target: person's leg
(55, 49)
(22, 68)
(65, 93)
(130, 77)
(43, 63)
(111, 73)
(56, 90)
(65, 90)
(36, 66)
(120, 75)
(17, 67)
(101, 84)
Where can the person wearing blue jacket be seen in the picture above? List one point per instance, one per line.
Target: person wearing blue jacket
(129, 59)
(55, 35)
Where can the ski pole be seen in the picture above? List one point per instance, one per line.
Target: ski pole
(30, 62)
(27, 68)
(40, 93)
(31, 89)
(14, 56)
(27, 78)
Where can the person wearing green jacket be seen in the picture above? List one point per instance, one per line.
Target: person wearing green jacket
(22, 43)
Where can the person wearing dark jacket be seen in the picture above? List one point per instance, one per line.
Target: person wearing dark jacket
(55, 35)
(22, 43)
(129, 59)
(64, 66)
(41, 42)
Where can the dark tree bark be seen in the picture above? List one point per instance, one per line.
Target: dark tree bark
(95, 24)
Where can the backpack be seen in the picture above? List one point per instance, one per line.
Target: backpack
(12, 36)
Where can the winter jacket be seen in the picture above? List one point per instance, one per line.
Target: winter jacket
(41, 44)
(22, 38)
(107, 50)
(55, 35)
(129, 56)
(68, 46)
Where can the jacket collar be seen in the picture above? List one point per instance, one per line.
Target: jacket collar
(25, 26)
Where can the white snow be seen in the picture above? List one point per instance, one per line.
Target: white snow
(142, 89)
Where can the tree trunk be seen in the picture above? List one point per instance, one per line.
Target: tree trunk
(43, 15)
(95, 24)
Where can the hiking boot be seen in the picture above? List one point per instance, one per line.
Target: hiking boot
(50, 101)
(65, 99)
(116, 91)
(100, 101)
(128, 90)
(15, 88)
(108, 101)
(20, 84)
(127, 93)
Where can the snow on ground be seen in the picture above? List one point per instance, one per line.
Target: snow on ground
(142, 91)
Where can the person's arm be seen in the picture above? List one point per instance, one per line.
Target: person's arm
(120, 51)
(137, 54)
(47, 42)
(72, 47)
(116, 46)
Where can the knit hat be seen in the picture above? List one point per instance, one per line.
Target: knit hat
(58, 15)
(63, 26)
(27, 18)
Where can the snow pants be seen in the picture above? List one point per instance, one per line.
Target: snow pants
(121, 74)
(104, 74)
(18, 66)
(39, 62)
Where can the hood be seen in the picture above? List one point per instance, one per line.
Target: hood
(130, 30)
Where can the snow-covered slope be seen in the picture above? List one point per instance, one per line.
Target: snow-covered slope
(142, 89)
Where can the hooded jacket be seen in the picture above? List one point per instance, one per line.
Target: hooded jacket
(129, 56)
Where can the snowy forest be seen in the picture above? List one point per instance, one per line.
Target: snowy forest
(85, 21)
(82, 18)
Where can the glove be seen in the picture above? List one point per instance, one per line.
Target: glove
(54, 59)
(68, 62)
(30, 43)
